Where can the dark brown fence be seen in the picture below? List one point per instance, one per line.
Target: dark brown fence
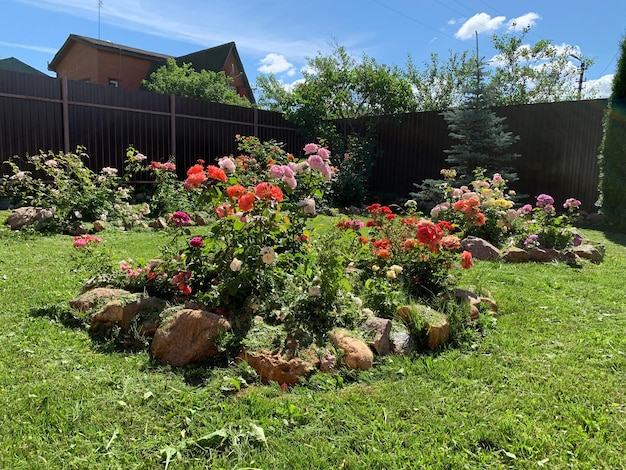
(558, 141)
(43, 113)
(558, 146)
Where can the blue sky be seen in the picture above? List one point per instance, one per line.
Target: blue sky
(277, 36)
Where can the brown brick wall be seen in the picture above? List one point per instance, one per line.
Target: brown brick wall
(83, 62)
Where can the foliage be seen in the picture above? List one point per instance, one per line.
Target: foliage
(351, 185)
(183, 80)
(77, 193)
(441, 83)
(167, 195)
(337, 86)
(519, 73)
(248, 261)
(482, 209)
(480, 139)
(546, 228)
(613, 150)
(526, 74)
(403, 258)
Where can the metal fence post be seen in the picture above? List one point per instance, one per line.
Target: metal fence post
(173, 125)
(66, 116)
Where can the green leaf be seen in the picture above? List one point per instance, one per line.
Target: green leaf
(215, 439)
(257, 433)
(170, 454)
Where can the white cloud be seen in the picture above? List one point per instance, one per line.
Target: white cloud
(45, 50)
(599, 88)
(524, 21)
(290, 86)
(480, 22)
(276, 63)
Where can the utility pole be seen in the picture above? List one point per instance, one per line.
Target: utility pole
(581, 77)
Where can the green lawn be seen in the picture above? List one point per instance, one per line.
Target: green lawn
(543, 389)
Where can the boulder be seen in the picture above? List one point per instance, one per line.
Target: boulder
(123, 311)
(99, 226)
(480, 249)
(26, 216)
(272, 367)
(434, 325)
(77, 230)
(515, 255)
(590, 253)
(328, 362)
(437, 332)
(91, 298)
(159, 223)
(402, 342)
(379, 330)
(356, 354)
(188, 337)
(544, 255)
(475, 302)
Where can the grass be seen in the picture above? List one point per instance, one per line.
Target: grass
(543, 389)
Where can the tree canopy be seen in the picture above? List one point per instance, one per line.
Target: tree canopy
(173, 79)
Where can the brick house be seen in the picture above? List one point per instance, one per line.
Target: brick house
(106, 63)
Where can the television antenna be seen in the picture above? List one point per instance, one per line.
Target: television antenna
(99, 8)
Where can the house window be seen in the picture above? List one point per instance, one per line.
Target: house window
(114, 82)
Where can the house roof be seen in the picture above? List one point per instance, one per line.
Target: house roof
(14, 65)
(212, 59)
(104, 46)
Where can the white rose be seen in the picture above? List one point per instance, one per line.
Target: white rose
(235, 265)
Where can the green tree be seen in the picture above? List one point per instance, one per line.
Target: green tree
(172, 79)
(440, 84)
(519, 73)
(479, 135)
(525, 74)
(613, 150)
(335, 87)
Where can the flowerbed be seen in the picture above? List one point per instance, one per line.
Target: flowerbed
(263, 280)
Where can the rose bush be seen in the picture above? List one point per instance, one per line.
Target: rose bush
(65, 183)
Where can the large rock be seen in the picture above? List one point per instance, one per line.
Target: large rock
(123, 311)
(98, 296)
(589, 252)
(544, 255)
(402, 343)
(272, 367)
(515, 255)
(356, 354)
(26, 216)
(434, 324)
(480, 249)
(378, 331)
(99, 226)
(188, 337)
(474, 302)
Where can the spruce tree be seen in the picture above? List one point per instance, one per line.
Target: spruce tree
(613, 150)
(480, 138)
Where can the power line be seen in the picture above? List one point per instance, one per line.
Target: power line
(401, 13)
